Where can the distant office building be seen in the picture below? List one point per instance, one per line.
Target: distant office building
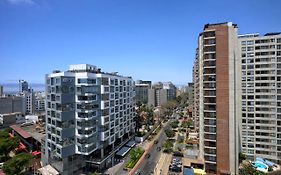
(23, 86)
(189, 90)
(142, 88)
(162, 93)
(149, 83)
(196, 93)
(39, 101)
(151, 97)
(11, 118)
(11, 105)
(1, 91)
(29, 101)
(171, 90)
(156, 94)
(261, 95)
(90, 114)
(217, 97)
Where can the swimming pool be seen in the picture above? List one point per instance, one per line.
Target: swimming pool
(259, 164)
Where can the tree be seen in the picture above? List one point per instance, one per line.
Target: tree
(7, 144)
(16, 165)
(135, 153)
(170, 133)
(247, 169)
(167, 145)
(186, 124)
(242, 157)
(175, 124)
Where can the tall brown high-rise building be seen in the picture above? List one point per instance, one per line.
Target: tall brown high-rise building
(217, 93)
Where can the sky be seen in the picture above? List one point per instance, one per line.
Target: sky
(146, 39)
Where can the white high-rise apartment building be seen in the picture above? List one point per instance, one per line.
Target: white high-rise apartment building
(261, 95)
(89, 114)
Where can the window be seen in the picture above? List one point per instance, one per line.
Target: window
(87, 81)
(251, 42)
(250, 48)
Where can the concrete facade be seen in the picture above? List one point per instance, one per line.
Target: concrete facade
(11, 104)
(261, 99)
(89, 113)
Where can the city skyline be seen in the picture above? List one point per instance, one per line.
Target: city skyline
(150, 40)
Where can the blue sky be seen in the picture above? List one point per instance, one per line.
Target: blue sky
(147, 39)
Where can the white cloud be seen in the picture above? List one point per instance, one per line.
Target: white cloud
(29, 2)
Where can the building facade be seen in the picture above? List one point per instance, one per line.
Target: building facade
(163, 92)
(40, 101)
(217, 97)
(29, 101)
(11, 105)
(261, 95)
(171, 90)
(142, 94)
(89, 114)
(23, 86)
(1, 91)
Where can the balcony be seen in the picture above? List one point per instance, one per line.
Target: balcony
(209, 71)
(208, 86)
(210, 129)
(65, 115)
(210, 100)
(210, 42)
(104, 136)
(209, 78)
(210, 122)
(209, 35)
(209, 93)
(208, 108)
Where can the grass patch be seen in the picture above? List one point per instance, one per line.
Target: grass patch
(135, 155)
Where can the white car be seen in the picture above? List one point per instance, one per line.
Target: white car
(1, 165)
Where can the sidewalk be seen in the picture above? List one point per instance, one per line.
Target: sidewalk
(162, 167)
(114, 169)
(147, 146)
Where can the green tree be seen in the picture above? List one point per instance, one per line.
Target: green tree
(167, 146)
(170, 133)
(175, 124)
(186, 124)
(247, 169)
(4, 134)
(135, 153)
(7, 144)
(242, 157)
(16, 164)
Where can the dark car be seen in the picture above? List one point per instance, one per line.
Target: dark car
(147, 155)
(158, 148)
(155, 141)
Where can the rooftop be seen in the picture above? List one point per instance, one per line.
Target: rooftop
(76, 68)
(30, 130)
(222, 23)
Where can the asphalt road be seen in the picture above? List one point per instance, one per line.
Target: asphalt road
(148, 164)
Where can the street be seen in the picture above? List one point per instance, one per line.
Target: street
(148, 164)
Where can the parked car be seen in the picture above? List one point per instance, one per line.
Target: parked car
(147, 155)
(155, 141)
(138, 172)
(1, 165)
